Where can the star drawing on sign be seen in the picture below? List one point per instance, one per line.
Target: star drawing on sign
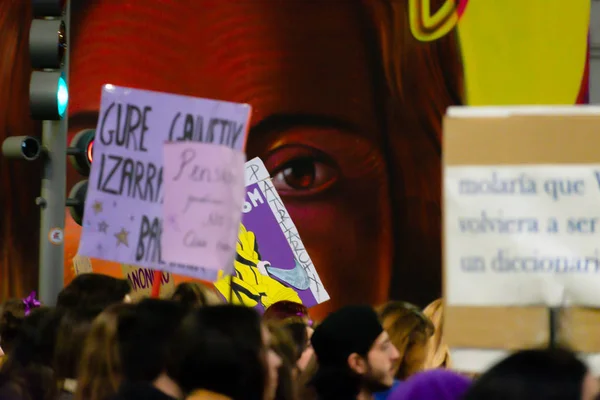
(132, 218)
(122, 237)
(102, 227)
(97, 207)
(99, 247)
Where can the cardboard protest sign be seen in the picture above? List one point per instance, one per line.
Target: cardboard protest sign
(141, 280)
(204, 194)
(271, 262)
(82, 265)
(123, 210)
(521, 210)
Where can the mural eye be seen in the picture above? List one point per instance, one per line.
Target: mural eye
(303, 174)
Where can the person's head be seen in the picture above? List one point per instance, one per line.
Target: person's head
(283, 310)
(354, 352)
(96, 291)
(224, 349)
(435, 384)
(306, 390)
(194, 294)
(100, 366)
(409, 330)
(73, 330)
(28, 367)
(300, 333)
(12, 314)
(144, 337)
(548, 374)
(283, 344)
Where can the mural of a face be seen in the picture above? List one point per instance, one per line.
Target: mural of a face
(308, 70)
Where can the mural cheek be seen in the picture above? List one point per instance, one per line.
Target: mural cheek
(350, 245)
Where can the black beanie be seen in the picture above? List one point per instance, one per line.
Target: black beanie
(351, 329)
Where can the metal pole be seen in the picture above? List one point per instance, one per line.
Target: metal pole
(53, 197)
(554, 314)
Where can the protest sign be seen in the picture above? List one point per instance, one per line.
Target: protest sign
(141, 280)
(272, 263)
(539, 224)
(204, 194)
(123, 210)
(82, 265)
(521, 209)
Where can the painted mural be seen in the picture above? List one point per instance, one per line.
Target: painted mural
(347, 99)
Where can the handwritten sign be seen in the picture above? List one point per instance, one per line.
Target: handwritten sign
(520, 235)
(272, 263)
(520, 197)
(204, 195)
(123, 210)
(142, 279)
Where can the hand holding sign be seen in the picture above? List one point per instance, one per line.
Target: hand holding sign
(204, 195)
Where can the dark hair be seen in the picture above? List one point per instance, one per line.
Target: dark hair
(336, 380)
(220, 349)
(549, 374)
(27, 372)
(304, 382)
(100, 373)
(298, 334)
(193, 294)
(143, 338)
(283, 344)
(72, 333)
(11, 317)
(93, 291)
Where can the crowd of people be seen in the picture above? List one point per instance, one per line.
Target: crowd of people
(98, 344)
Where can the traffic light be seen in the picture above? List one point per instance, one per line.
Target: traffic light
(80, 153)
(48, 103)
(48, 91)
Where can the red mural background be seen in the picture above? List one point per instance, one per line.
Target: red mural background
(347, 108)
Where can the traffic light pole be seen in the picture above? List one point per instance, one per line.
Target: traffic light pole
(52, 200)
(52, 209)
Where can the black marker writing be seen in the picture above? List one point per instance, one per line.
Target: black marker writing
(142, 278)
(125, 176)
(253, 171)
(129, 130)
(148, 247)
(194, 128)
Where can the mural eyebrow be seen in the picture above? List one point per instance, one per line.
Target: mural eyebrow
(282, 122)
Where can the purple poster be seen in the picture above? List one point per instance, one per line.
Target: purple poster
(123, 210)
(271, 263)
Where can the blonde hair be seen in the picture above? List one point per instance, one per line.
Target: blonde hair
(438, 353)
(100, 368)
(409, 331)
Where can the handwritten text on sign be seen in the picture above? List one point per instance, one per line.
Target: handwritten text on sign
(123, 219)
(204, 196)
(522, 235)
